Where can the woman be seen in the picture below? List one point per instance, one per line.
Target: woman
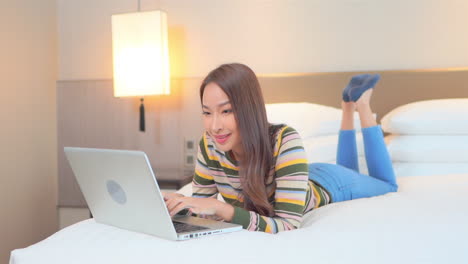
(261, 170)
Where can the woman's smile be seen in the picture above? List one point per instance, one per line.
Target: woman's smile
(221, 139)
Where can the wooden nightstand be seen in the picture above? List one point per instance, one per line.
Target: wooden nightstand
(173, 178)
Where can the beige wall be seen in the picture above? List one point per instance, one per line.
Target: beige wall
(274, 36)
(271, 36)
(28, 159)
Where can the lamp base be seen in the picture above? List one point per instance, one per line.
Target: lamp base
(142, 115)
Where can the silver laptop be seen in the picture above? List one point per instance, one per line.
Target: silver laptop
(121, 190)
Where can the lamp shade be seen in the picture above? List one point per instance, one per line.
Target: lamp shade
(140, 54)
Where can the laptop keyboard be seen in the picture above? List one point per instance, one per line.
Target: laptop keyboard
(183, 227)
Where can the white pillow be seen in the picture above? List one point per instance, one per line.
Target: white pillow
(308, 119)
(444, 116)
(323, 149)
(186, 190)
(428, 148)
(403, 169)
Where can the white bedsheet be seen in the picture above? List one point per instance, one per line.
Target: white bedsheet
(425, 222)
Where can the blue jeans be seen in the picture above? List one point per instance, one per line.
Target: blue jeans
(343, 181)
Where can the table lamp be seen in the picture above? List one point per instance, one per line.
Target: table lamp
(140, 56)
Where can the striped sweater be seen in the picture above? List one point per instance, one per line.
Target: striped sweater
(289, 190)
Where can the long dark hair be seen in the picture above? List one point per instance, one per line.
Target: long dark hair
(241, 86)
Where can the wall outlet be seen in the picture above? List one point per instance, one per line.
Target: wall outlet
(189, 160)
(189, 145)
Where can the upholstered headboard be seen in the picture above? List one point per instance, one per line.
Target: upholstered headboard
(394, 89)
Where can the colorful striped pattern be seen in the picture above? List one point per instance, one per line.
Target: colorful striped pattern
(290, 191)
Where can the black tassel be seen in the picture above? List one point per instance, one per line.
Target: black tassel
(142, 116)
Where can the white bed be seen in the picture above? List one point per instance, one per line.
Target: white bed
(425, 222)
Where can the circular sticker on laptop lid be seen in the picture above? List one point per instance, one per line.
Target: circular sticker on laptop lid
(116, 192)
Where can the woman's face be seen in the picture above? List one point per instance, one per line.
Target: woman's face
(219, 120)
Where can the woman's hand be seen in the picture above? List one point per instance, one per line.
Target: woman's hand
(201, 206)
(168, 196)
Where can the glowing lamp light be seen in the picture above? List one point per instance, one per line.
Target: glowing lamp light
(140, 55)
